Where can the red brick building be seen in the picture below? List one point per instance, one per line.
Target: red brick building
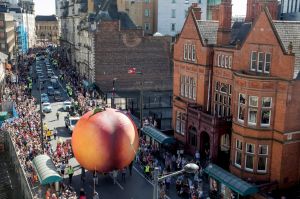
(237, 92)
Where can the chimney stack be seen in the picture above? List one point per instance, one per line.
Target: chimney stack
(254, 7)
(196, 10)
(224, 30)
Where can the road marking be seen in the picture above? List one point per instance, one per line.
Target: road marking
(121, 187)
(167, 197)
(142, 175)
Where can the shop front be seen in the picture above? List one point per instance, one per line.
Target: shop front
(156, 137)
(224, 185)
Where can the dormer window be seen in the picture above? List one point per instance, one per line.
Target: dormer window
(260, 62)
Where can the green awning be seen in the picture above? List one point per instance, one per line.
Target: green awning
(157, 135)
(46, 170)
(136, 121)
(234, 183)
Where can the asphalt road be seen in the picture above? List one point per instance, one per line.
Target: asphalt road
(135, 187)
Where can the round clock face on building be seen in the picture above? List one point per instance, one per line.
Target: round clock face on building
(131, 39)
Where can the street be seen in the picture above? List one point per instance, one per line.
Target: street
(135, 187)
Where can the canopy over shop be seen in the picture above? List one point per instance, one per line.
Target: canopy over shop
(156, 137)
(226, 185)
(46, 170)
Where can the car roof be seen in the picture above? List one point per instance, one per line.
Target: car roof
(50, 87)
(46, 103)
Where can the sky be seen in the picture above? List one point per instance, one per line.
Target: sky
(47, 7)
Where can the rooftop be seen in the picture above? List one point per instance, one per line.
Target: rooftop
(45, 18)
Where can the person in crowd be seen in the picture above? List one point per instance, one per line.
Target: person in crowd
(115, 175)
(70, 171)
(95, 177)
(82, 194)
(124, 174)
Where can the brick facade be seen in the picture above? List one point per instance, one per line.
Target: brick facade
(246, 90)
(116, 50)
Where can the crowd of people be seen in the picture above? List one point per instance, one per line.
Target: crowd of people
(24, 132)
(151, 156)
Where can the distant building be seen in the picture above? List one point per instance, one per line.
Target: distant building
(7, 35)
(47, 28)
(171, 14)
(141, 12)
(290, 10)
(25, 27)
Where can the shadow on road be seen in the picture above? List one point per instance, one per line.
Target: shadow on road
(63, 132)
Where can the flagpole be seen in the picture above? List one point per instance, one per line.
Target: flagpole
(141, 100)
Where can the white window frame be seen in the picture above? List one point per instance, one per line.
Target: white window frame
(239, 104)
(251, 65)
(250, 154)
(185, 52)
(266, 108)
(259, 61)
(226, 62)
(252, 107)
(188, 54)
(263, 155)
(193, 52)
(174, 27)
(237, 149)
(222, 61)
(267, 62)
(230, 62)
(219, 60)
(147, 12)
(173, 13)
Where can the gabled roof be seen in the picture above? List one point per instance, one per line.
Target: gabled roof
(239, 32)
(208, 30)
(289, 31)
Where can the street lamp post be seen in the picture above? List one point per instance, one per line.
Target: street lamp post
(189, 168)
(41, 116)
(113, 94)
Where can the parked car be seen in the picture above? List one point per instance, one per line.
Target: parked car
(50, 74)
(44, 97)
(46, 107)
(67, 105)
(50, 90)
(58, 96)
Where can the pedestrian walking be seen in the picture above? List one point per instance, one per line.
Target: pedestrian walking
(95, 177)
(62, 169)
(124, 174)
(54, 133)
(130, 168)
(70, 172)
(57, 115)
(147, 171)
(115, 175)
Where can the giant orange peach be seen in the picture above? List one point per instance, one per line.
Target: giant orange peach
(105, 141)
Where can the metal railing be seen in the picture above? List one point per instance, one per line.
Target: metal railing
(23, 185)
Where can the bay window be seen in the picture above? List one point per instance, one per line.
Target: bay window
(266, 111)
(241, 107)
(253, 61)
(249, 157)
(252, 111)
(267, 63)
(238, 153)
(261, 58)
(262, 158)
(260, 62)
